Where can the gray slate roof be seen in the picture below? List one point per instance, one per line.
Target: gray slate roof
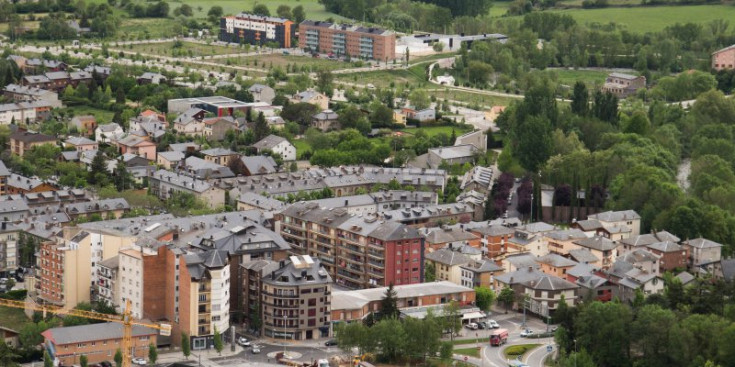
(447, 257)
(611, 216)
(92, 332)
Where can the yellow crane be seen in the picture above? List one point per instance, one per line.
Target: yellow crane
(126, 319)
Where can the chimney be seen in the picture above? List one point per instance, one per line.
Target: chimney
(530, 269)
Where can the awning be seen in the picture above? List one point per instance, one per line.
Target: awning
(473, 315)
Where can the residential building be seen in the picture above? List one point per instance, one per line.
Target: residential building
(252, 275)
(296, 300)
(85, 124)
(219, 106)
(19, 93)
(493, 237)
(459, 154)
(108, 282)
(326, 120)
(529, 238)
(215, 129)
(704, 254)
(108, 132)
(262, 93)
(478, 139)
(447, 264)
(190, 122)
(424, 115)
(642, 241)
(257, 30)
(357, 251)
(431, 216)
(258, 165)
(23, 141)
(555, 265)
(276, 144)
(25, 112)
(724, 59)
(673, 256)
(203, 170)
(136, 145)
(358, 304)
(546, 293)
(346, 39)
(478, 179)
(517, 280)
(439, 238)
(9, 249)
(4, 176)
(562, 241)
(131, 278)
(169, 160)
(220, 156)
(164, 183)
(80, 144)
(602, 248)
(17, 184)
(399, 117)
(627, 279)
(186, 148)
(479, 273)
(10, 337)
(99, 342)
(623, 85)
(251, 200)
(151, 78)
(312, 97)
(628, 218)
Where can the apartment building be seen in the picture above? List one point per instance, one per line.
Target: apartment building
(164, 183)
(23, 141)
(347, 39)
(358, 252)
(108, 286)
(296, 300)
(257, 30)
(9, 251)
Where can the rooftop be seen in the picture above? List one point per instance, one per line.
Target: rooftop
(92, 332)
(352, 300)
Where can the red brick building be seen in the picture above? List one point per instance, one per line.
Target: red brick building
(495, 238)
(99, 342)
(347, 39)
(672, 255)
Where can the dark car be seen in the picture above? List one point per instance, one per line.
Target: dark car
(330, 342)
(105, 364)
(482, 325)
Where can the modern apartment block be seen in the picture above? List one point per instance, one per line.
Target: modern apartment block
(257, 30)
(346, 39)
(357, 251)
(296, 300)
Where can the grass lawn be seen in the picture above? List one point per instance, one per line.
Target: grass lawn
(433, 130)
(569, 77)
(13, 318)
(167, 49)
(514, 351)
(472, 98)
(312, 8)
(383, 78)
(266, 60)
(472, 352)
(102, 116)
(136, 28)
(654, 18)
(301, 147)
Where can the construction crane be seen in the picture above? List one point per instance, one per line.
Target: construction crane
(126, 319)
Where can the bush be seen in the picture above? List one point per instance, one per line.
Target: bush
(516, 350)
(17, 295)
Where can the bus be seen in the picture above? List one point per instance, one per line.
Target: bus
(499, 337)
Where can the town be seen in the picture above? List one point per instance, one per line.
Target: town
(367, 183)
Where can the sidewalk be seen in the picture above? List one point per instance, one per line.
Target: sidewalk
(205, 356)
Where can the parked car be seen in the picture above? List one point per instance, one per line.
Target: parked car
(105, 364)
(139, 361)
(482, 325)
(471, 326)
(330, 342)
(243, 342)
(255, 350)
(526, 333)
(493, 324)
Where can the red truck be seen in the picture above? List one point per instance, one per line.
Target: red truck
(499, 337)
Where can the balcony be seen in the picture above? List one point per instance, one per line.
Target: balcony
(376, 273)
(327, 259)
(353, 260)
(349, 275)
(353, 249)
(375, 254)
(280, 306)
(377, 264)
(280, 295)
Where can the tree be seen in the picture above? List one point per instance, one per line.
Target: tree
(83, 360)
(47, 362)
(261, 129)
(484, 298)
(218, 346)
(152, 353)
(261, 9)
(380, 115)
(604, 330)
(534, 143)
(392, 337)
(215, 13)
(325, 82)
(98, 169)
(298, 14)
(185, 346)
(185, 10)
(284, 11)
(452, 318)
(419, 99)
(8, 357)
(255, 322)
(580, 99)
(388, 305)
(507, 296)
(118, 357)
(123, 179)
(429, 272)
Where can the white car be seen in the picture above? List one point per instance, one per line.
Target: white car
(526, 333)
(140, 361)
(255, 350)
(243, 342)
(471, 326)
(493, 324)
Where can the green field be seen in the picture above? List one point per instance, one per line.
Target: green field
(13, 318)
(167, 49)
(433, 130)
(265, 61)
(312, 8)
(472, 98)
(651, 19)
(102, 116)
(382, 78)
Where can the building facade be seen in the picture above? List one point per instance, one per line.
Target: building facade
(724, 59)
(257, 30)
(346, 39)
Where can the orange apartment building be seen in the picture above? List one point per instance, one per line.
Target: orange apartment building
(23, 141)
(495, 238)
(99, 342)
(50, 265)
(347, 39)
